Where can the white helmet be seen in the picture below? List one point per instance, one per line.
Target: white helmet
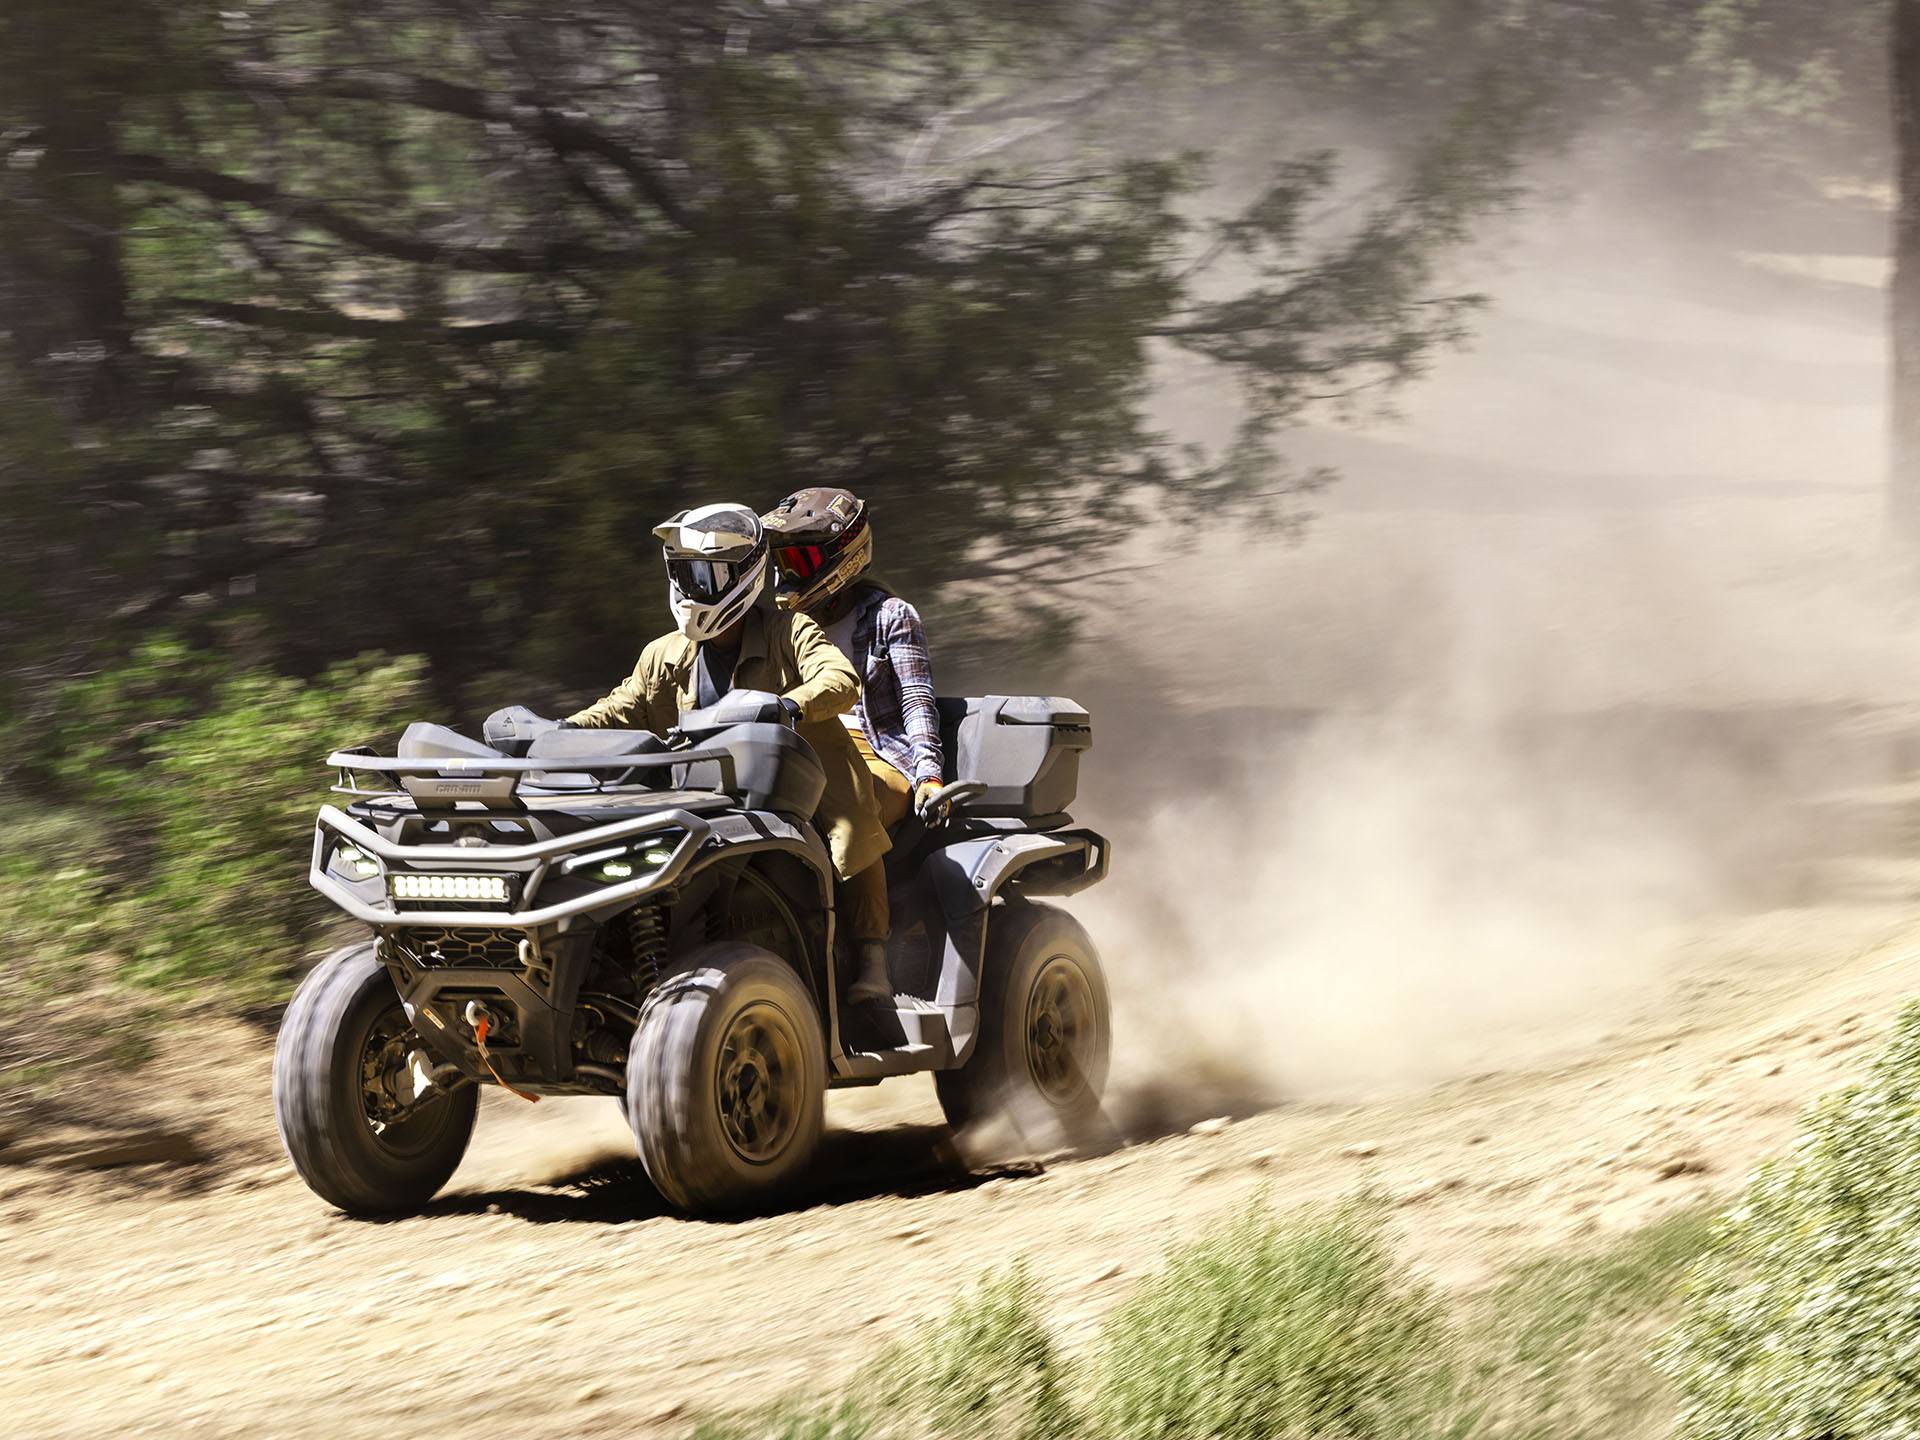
(716, 566)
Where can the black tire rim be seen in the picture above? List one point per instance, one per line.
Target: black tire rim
(1060, 1030)
(400, 1123)
(759, 1087)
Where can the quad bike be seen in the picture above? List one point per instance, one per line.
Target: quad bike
(651, 918)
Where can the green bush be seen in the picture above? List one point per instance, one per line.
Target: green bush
(1263, 1328)
(1563, 1344)
(1802, 1321)
(987, 1370)
(842, 1420)
(173, 816)
(1270, 1329)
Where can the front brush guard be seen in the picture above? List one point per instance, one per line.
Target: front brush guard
(539, 853)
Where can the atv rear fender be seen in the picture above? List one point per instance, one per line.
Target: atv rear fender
(968, 876)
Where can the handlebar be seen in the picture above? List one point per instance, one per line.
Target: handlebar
(940, 804)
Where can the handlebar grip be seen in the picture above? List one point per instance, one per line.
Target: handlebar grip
(941, 802)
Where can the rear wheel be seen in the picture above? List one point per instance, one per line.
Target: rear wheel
(1045, 1031)
(727, 1079)
(344, 1097)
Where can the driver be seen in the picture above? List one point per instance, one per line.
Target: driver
(727, 639)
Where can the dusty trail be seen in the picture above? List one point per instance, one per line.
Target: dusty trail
(547, 1295)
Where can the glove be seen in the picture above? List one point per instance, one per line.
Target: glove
(922, 793)
(792, 707)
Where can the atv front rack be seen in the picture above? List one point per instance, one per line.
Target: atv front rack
(448, 780)
(537, 856)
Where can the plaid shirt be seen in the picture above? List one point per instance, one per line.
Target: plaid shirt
(896, 710)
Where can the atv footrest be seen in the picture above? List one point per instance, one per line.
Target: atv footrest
(874, 1065)
(910, 1038)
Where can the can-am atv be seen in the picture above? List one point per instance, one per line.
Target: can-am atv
(613, 912)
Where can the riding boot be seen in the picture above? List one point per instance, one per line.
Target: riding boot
(873, 982)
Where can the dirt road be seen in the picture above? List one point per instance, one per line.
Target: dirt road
(547, 1295)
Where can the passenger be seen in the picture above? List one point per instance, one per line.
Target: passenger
(823, 545)
(726, 638)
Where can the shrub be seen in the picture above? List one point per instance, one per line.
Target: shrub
(171, 822)
(1562, 1345)
(1802, 1321)
(840, 1420)
(1270, 1329)
(987, 1370)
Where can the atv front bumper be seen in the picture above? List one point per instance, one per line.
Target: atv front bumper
(531, 862)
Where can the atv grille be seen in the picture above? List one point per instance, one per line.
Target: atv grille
(465, 948)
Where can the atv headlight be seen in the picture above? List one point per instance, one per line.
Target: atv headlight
(605, 869)
(488, 889)
(355, 861)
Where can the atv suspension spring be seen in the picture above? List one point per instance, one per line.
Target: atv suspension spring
(632, 946)
(647, 941)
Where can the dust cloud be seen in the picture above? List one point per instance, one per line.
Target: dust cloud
(1600, 640)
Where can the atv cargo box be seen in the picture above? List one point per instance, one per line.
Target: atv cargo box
(1024, 748)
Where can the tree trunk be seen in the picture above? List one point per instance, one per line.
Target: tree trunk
(65, 297)
(1904, 494)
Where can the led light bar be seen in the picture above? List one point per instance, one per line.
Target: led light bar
(489, 889)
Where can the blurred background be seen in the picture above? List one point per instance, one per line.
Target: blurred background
(1289, 379)
(1466, 453)
(352, 350)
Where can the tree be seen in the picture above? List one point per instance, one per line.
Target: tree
(442, 303)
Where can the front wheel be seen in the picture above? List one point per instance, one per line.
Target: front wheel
(344, 1098)
(727, 1079)
(1045, 1031)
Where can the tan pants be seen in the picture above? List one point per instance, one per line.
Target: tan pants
(865, 895)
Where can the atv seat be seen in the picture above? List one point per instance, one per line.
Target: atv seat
(560, 746)
(593, 744)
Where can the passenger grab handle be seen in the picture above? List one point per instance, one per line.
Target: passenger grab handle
(939, 804)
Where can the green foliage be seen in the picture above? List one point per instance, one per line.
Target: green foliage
(325, 302)
(1262, 1328)
(1284, 1328)
(1801, 1320)
(842, 1420)
(1276, 1329)
(990, 1369)
(175, 807)
(1564, 1345)
(987, 1370)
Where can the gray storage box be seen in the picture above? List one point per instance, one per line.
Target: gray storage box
(1025, 748)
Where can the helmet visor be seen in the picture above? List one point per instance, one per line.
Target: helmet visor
(703, 581)
(800, 562)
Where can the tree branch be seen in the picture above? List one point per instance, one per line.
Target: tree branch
(563, 134)
(486, 259)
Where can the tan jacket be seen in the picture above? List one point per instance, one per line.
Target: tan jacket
(785, 652)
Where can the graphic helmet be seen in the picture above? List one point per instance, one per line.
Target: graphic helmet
(716, 566)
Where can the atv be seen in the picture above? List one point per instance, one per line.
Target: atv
(562, 911)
